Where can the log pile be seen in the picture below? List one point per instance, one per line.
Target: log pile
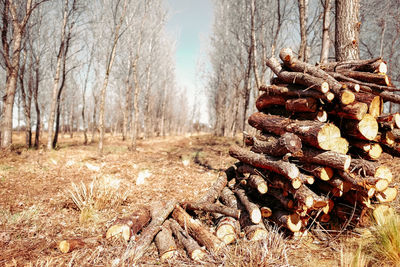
(320, 133)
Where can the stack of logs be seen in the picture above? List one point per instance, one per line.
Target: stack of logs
(314, 160)
(320, 133)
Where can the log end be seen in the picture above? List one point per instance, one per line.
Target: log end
(375, 151)
(327, 135)
(266, 212)
(117, 230)
(255, 216)
(294, 222)
(296, 183)
(256, 232)
(381, 185)
(347, 97)
(326, 173)
(226, 233)
(368, 127)
(324, 87)
(396, 118)
(384, 172)
(197, 255)
(169, 254)
(381, 213)
(388, 195)
(67, 246)
(262, 188)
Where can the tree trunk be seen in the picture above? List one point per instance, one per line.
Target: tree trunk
(347, 31)
(325, 32)
(303, 4)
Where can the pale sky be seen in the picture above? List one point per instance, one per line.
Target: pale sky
(191, 21)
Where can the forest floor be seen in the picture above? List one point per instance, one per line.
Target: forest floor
(37, 209)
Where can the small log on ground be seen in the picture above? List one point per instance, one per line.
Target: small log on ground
(194, 251)
(277, 146)
(212, 207)
(326, 158)
(165, 243)
(68, 245)
(315, 83)
(252, 209)
(367, 168)
(365, 129)
(197, 230)
(227, 229)
(322, 172)
(137, 249)
(295, 91)
(214, 191)
(287, 169)
(317, 134)
(126, 227)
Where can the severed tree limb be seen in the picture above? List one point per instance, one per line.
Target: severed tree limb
(252, 209)
(293, 91)
(165, 243)
(274, 146)
(212, 207)
(192, 248)
(215, 190)
(326, 158)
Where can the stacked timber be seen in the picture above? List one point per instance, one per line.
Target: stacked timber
(320, 133)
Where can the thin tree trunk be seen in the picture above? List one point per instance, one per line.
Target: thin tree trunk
(36, 98)
(254, 43)
(128, 100)
(303, 29)
(325, 32)
(105, 83)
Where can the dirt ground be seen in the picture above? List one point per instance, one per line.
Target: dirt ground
(37, 208)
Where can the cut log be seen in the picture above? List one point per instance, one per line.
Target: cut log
(327, 189)
(277, 147)
(69, 245)
(287, 169)
(306, 179)
(228, 198)
(387, 195)
(393, 119)
(374, 103)
(367, 182)
(258, 183)
(367, 65)
(308, 198)
(197, 230)
(381, 79)
(382, 214)
(367, 168)
(227, 230)
(365, 129)
(165, 243)
(366, 149)
(137, 249)
(287, 203)
(212, 207)
(252, 209)
(322, 172)
(194, 251)
(294, 91)
(319, 115)
(265, 212)
(215, 190)
(354, 111)
(291, 61)
(301, 105)
(317, 134)
(296, 77)
(286, 219)
(326, 158)
(126, 227)
(340, 184)
(385, 138)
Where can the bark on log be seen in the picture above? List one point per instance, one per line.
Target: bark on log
(228, 198)
(365, 65)
(287, 169)
(286, 202)
(367, 182)
(380, 79)
(252, 209)
(367, 168)
(309, 198)
(126, 227)
(197, 230)
(324, 173)
(294, 91)
(68, 245)
(159, 214)
(215, 190)
(253, 232)
(374, 103)
(365, 129)
(327, 189)
(165, 243)
(265, 101)
(319, 115)
(212, 207)
(317, 134)
(326, 158)
(340, 184)
(194, 251)
(296, 77)
(385, 138)
(354, 111)
(301, 105)
(277, 147)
